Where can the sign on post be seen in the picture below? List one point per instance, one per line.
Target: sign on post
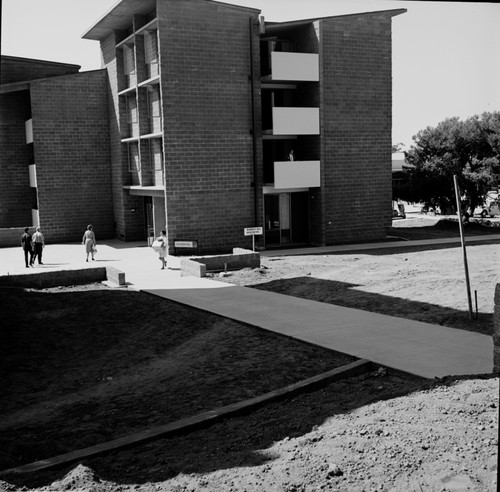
(253, 231)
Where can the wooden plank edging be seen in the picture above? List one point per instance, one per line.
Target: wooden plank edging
(197, 421)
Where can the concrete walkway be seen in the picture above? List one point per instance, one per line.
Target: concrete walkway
(419, 348)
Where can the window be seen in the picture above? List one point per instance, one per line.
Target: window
(131, 110)
(151, 46)
(133, 157)
(128, 60)
(156, 154)
(154, 101)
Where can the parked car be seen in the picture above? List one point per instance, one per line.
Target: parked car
(492, 209)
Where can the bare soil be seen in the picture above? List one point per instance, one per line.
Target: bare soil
(82, 365)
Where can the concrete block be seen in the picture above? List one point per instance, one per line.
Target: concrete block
(115, 276)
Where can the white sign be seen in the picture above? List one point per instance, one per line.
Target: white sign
(253, 231)
(185, 244)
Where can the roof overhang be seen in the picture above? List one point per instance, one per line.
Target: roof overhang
(14, 87)
(276, 27)
(119, 17)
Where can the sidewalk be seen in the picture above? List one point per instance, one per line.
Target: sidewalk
(419, 348)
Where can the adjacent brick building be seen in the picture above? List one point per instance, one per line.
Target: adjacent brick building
(54, 150)
(204, 103)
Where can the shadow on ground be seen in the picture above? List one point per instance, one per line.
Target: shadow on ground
(245, 440)
(347, 295)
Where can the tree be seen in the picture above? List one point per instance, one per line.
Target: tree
(470, 149)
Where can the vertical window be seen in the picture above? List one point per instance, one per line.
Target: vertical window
(151, 46)
(128, 60)
(133, 157)
(154, 101)
(131, 110)
(156, 154)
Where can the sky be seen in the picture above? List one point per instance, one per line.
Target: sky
(446, 55)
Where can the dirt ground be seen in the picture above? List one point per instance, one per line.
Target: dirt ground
(95, 369)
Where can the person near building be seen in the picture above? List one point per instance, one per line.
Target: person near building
(38, 242)
(160, 246)
(291, 156)
(26, 239)
(89, 242)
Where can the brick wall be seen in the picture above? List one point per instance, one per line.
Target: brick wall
(71, 148)
(205, 69)
(14, 69)
(356, 120)
(16, 197)
(12, 236)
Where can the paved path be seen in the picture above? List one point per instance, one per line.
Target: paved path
(419, 348)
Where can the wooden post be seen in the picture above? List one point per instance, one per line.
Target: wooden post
(464, 252)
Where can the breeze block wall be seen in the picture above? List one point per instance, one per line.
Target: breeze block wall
(356, 126)
(207, 109)
(71, 148)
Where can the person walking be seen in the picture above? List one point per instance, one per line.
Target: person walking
(89, 242)
(38, 245)
(26, 239)
(160, 246)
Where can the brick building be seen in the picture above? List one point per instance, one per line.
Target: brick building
(54, 150)
(205, 102)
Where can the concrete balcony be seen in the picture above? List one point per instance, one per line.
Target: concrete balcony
(297, 174)
(297, 67)
(295, 121)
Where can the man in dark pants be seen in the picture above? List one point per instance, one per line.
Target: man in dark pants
(38, 245)
(26, 245)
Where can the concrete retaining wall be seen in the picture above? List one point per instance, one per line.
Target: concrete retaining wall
(496, 332)
(199, 266)
(45, 280)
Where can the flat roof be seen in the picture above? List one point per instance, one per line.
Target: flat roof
(119, 16)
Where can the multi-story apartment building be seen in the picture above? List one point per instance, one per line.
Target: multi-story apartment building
(206, 104)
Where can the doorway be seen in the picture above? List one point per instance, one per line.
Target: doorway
(286, 219)
(149, 219)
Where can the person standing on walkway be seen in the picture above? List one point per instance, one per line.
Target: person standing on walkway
(26, 239)
(160, 246)
(89, 241)
(38, 245)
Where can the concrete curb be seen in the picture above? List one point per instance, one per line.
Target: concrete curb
(45, 280)
(198, 421)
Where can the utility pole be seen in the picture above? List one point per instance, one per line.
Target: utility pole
(459, 213)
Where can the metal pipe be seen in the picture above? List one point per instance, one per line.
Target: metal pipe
(459, 213)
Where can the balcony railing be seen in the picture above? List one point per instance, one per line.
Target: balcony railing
(297, 174)
(299, 67)
(295, 121)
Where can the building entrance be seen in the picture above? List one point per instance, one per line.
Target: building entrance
(286, 219)
(149, 219)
